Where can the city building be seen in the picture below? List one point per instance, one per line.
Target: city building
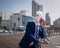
(24, 12)
(4, 19)
(5, 15)
(36, 7)
(18, 20)
(56, 23)
(48, 20)
(5, 24)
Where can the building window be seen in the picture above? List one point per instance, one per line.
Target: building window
(18, 18)
(14, 24)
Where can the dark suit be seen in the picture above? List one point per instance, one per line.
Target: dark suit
(29, 35)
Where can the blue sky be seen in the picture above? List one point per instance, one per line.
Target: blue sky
(15, 5)
(51, 6)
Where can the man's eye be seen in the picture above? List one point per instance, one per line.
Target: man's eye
(36, 15)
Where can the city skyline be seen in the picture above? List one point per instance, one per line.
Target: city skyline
(36, 7)
(51, 6)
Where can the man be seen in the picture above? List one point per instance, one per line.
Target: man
(34, 35)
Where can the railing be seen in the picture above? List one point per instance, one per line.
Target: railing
(52, 32)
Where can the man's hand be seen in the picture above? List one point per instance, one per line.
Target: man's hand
(31, 43)
(43, 41)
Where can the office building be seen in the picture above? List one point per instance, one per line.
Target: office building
(19, 20)
(36, 7)
(5, 15)
(5, 19)
(48, 20)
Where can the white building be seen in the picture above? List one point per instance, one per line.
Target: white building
(5, 15)
(16, 20)
(5, 18)
(5, 24)
(19, 20)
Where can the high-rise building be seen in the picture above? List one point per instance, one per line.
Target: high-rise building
(36, 7)
(48, 20)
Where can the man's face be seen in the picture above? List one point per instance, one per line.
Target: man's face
(37, 18)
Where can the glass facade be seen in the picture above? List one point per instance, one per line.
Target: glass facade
(26, 19)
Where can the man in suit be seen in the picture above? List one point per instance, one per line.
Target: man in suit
(34, 35)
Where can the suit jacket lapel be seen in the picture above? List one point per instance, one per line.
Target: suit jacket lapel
(33, 28)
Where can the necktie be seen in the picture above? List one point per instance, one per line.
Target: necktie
(37, 35)
(37, 32)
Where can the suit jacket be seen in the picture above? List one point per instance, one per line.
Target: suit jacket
(29, 35)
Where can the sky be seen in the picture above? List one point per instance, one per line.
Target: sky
(51, 6)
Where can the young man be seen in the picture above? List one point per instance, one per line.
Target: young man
(34, 35)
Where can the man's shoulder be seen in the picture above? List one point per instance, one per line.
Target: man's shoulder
(30, 23)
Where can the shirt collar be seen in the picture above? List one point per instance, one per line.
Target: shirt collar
(37, 24)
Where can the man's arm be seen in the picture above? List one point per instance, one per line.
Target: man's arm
(43, 34)
(43, 37)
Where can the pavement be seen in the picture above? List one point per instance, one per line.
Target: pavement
(12, 41)
(54, 42)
